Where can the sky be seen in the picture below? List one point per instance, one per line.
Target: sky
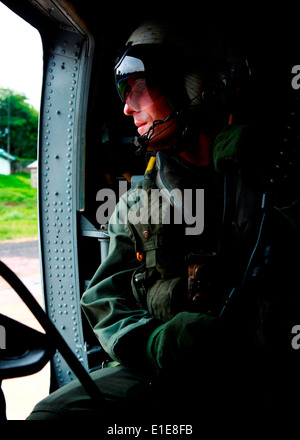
(21, 56)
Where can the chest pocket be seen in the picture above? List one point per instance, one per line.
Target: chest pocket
(158, 284)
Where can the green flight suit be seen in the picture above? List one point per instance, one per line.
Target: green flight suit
(128, 299)
(141, 286)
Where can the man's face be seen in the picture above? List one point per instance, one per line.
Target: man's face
(147, 105)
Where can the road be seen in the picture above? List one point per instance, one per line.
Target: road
(22, 257)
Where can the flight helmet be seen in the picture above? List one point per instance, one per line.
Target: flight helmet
(196, 71)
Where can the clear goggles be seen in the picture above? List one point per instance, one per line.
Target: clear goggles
(127, 68)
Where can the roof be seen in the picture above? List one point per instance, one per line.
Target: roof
(33, 164)
(6, 155)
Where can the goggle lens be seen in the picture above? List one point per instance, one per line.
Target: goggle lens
(125, 69)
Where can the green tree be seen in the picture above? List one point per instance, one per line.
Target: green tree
(18, 125)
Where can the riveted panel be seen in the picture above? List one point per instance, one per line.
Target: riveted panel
(59, 154)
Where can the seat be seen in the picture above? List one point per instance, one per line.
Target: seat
(24, 351)
(27, 350)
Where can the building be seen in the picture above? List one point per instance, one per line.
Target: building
(5, 162)
(33, 173)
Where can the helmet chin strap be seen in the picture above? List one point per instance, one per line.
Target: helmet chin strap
(142, 142)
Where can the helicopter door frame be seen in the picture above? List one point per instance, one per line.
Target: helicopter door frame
(61, 180)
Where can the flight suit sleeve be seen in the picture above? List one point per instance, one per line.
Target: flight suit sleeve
(110, 306)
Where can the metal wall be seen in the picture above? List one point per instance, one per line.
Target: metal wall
(61, 178)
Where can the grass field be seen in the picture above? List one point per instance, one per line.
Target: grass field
(18, 207)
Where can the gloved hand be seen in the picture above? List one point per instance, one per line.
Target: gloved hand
(185, 338)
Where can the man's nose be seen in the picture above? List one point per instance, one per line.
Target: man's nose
(128, 110)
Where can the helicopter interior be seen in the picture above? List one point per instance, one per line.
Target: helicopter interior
(84, 140)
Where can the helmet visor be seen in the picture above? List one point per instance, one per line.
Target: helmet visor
(128, 67)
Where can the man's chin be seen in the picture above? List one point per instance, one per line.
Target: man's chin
(142, 130)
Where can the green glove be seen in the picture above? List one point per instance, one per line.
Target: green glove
(185, 338)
